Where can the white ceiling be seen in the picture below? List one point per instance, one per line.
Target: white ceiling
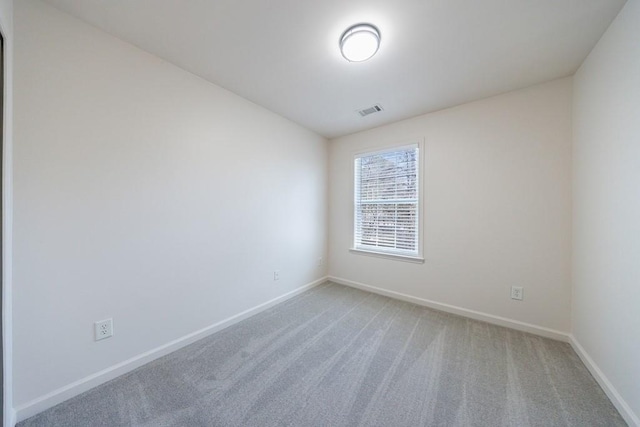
(283, 54)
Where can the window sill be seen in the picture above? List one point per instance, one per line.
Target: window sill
(405, 258)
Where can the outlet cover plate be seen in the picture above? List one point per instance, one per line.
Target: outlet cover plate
(103, 329)
(517, 292)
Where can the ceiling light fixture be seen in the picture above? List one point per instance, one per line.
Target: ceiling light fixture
(360, 42)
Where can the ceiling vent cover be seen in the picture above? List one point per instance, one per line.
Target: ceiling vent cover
(366, 111)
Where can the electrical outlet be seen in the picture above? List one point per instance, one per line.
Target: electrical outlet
(276, 275)
(320, 262)
(517, 292)
(103, 329)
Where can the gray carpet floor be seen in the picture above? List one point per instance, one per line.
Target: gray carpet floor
(336, 356)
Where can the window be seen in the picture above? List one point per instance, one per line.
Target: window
(386, 202)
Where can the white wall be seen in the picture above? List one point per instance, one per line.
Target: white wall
(145, 194)
(497, 198)
(606, 199)
(6, 26)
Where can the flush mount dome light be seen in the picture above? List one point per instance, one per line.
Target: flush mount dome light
(360, 42)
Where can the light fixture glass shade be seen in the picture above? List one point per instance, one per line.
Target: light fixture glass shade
(360, 42)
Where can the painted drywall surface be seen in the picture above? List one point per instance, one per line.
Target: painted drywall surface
(497, 206)
(606, 199)
(6, 25)
(145, 194)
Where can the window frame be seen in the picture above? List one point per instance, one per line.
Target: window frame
(414, 258)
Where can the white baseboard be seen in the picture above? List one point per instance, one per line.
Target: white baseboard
(621, 405)
(477, 315)
(60, 395)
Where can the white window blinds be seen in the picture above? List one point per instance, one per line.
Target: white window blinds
(386, 201)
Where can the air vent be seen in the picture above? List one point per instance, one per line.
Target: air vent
(375, 109)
